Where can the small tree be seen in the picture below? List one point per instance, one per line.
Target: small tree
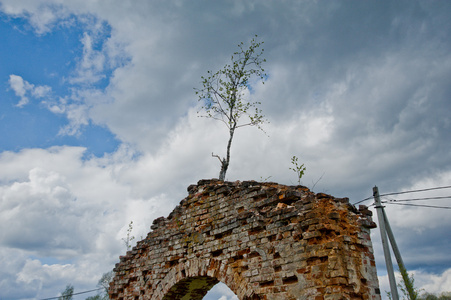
(129, 238)
(223, 94)
(429, 296)
(407, 286)
(96, 297)
(105, 280)
(67, 293)
(103, 283)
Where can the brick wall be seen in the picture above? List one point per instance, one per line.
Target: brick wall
(263, 240)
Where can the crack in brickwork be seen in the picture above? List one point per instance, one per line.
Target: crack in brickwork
(263, 240)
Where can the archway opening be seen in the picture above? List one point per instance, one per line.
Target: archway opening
(194, 288)
(220, 292)
(198, 288)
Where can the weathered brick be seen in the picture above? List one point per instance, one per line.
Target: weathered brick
(263, 240)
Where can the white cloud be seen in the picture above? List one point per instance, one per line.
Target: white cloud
(433, 283)
(221, 292)
(60, 207)
(42, 15)
(92, 63)
(41, 91)
(12, 288)
(24, 89)
(20, 88)
(77, 116)
(41, 215)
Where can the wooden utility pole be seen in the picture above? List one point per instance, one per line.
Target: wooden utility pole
(388, 262)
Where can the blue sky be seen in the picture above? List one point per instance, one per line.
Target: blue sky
(99, 126)
(45, 60)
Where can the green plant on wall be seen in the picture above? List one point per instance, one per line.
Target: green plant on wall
(297, 168)
(264, 179)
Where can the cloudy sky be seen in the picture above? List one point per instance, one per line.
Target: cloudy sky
(99, 126)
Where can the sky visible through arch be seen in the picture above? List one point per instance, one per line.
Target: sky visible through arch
(98, 123)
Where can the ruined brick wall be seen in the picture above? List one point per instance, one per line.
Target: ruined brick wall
(263, 240)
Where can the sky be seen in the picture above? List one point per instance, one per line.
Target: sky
(99, 123)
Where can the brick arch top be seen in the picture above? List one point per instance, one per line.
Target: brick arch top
(263, 240)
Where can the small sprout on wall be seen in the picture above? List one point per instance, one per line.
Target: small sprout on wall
(264, 179)
(298, 169)
(129, 238)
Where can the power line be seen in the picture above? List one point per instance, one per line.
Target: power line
(79, 293)
(416, 191)
(405, 192)
(419, 199)
(363, 200)
(420, 205)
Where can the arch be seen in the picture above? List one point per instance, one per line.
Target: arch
(220, 290)
(202, 275)
(263, 240)
(194, 288)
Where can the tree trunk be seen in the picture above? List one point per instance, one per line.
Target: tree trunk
(225, 162)
(223, 171)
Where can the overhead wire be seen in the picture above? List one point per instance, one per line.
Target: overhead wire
(418, 205)
(417, 191)
(405, 192)
(366, 199)
(73, 294)
(395, 201)
(419, 199)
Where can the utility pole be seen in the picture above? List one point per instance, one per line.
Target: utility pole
(407, 282)
(388, 262)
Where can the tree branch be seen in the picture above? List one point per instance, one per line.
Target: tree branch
(214, 155)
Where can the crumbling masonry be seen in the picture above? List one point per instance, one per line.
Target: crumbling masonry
(263, 240)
